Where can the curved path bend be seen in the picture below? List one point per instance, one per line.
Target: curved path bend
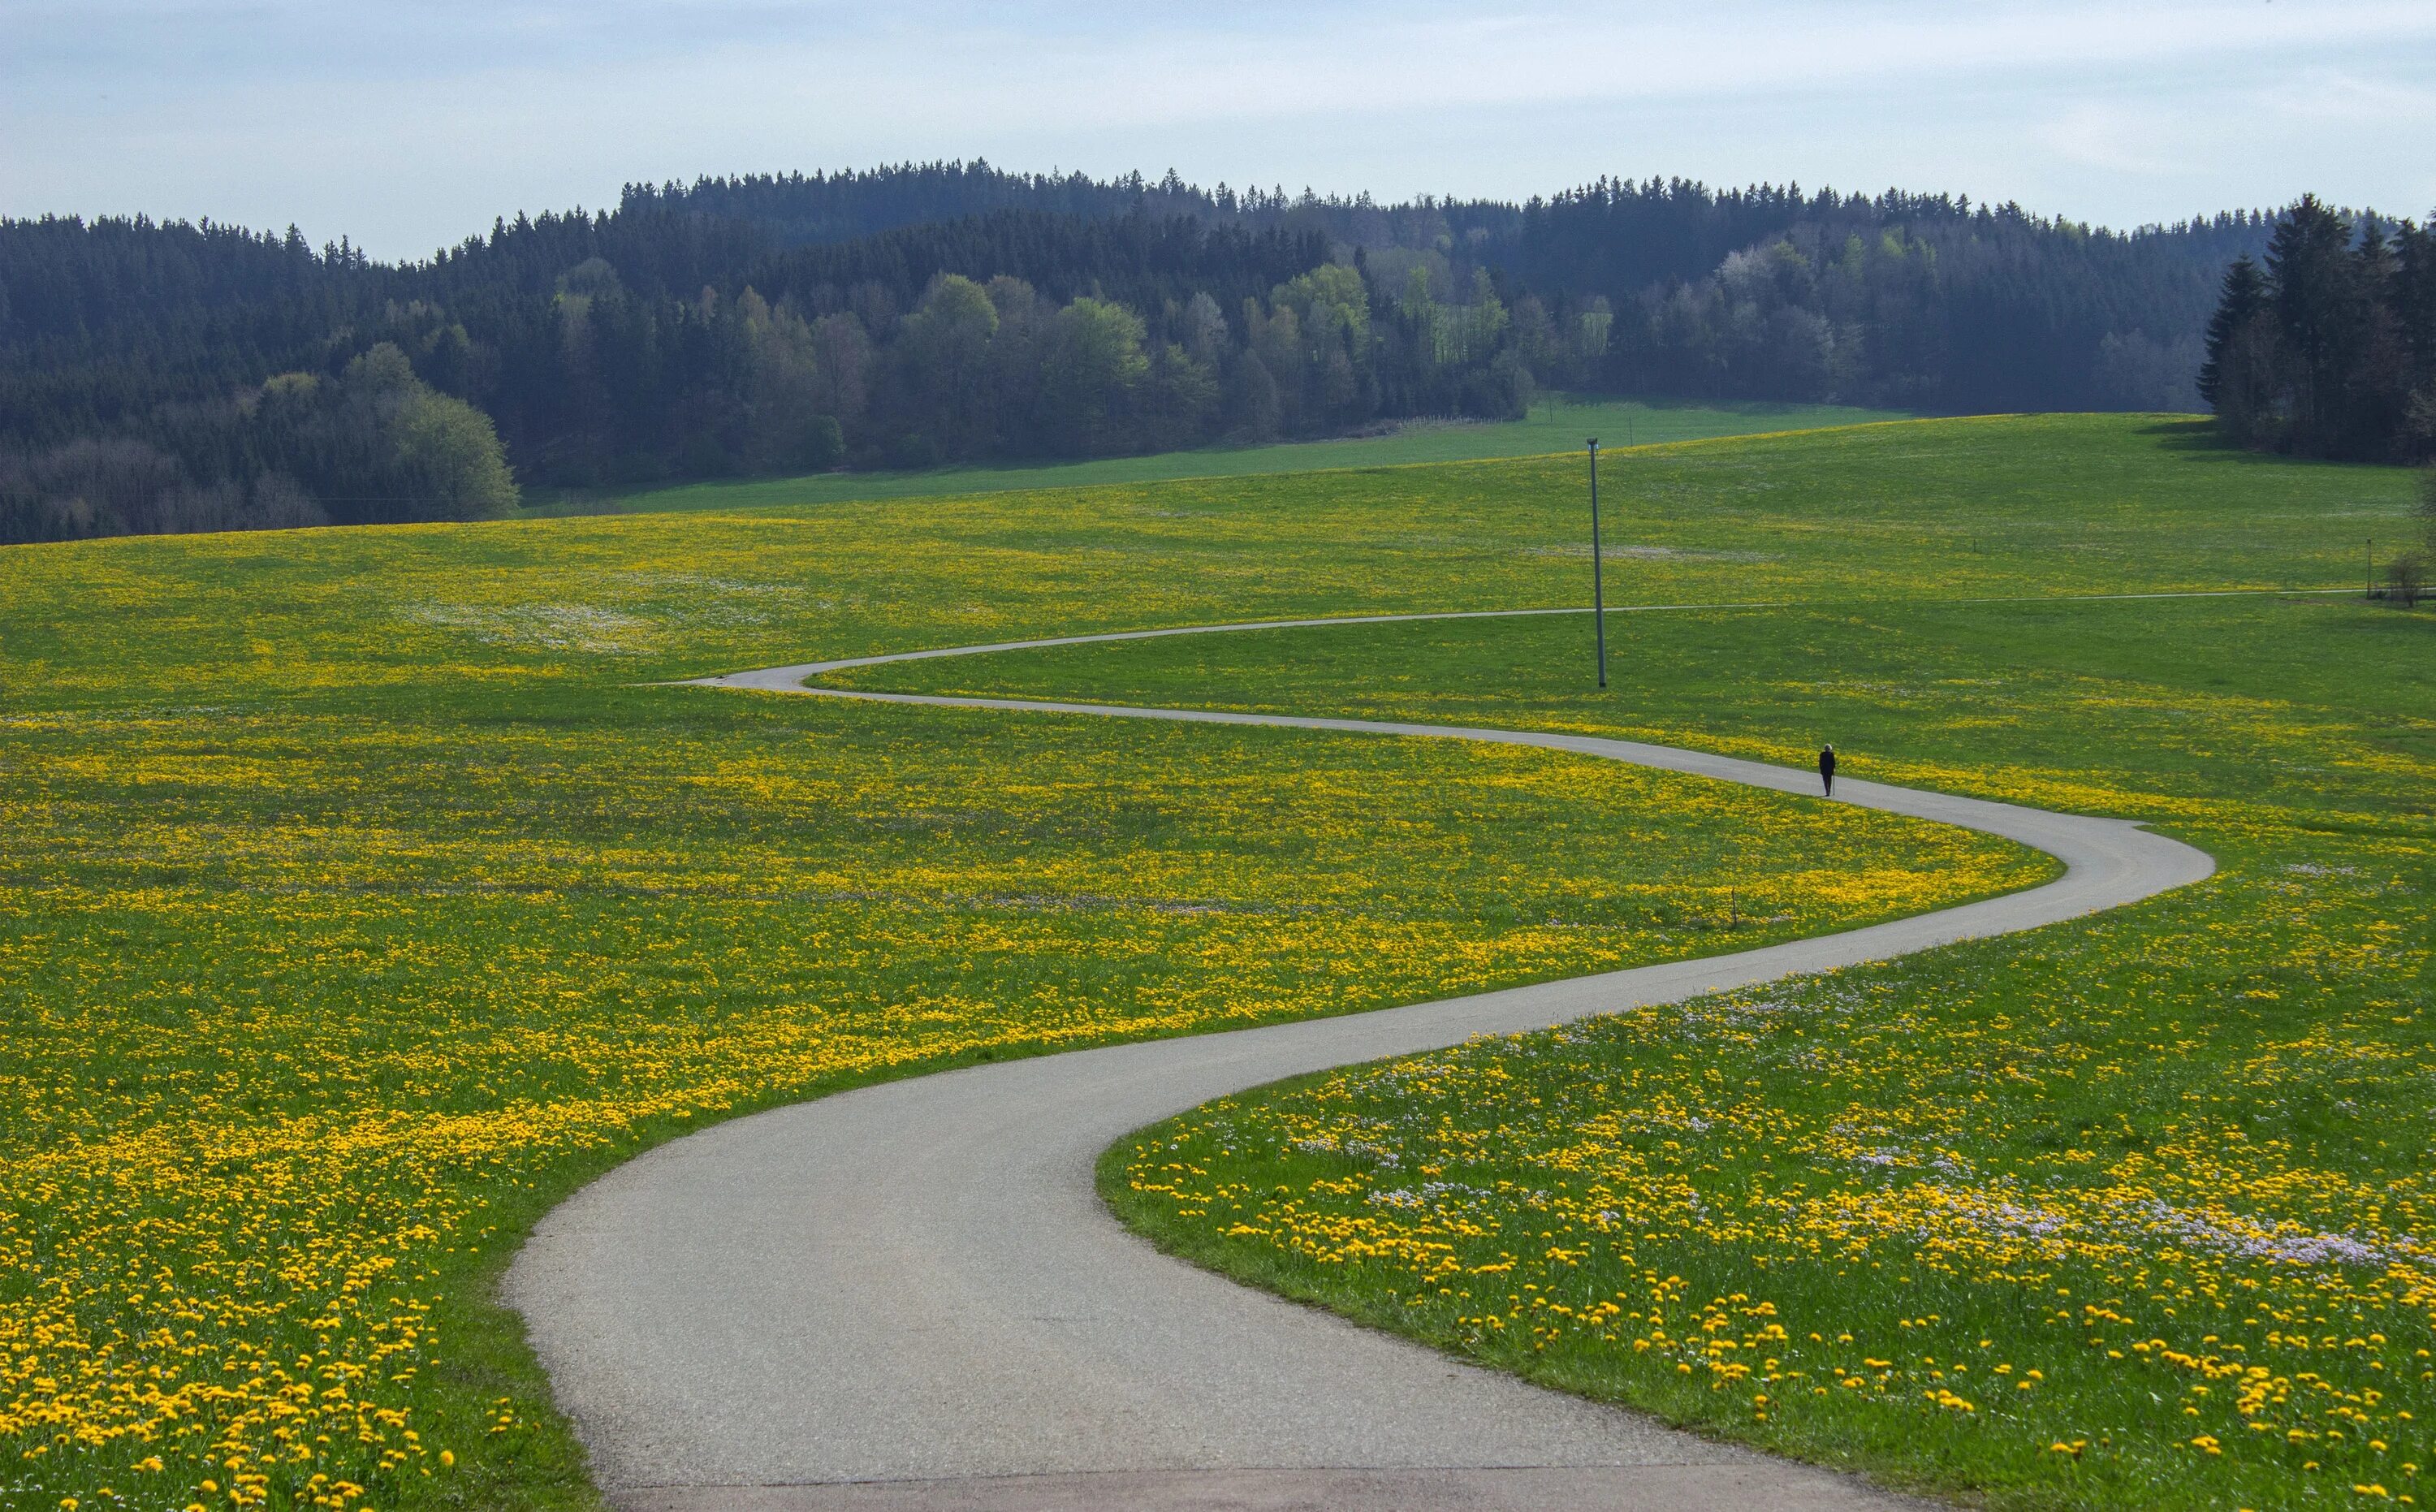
(908, 1295)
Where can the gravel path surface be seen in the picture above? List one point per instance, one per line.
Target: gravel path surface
(909, 1297)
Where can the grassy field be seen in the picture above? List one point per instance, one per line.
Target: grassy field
(2154, 1187)
(356, 903)
(1554, 424)
(2138, 1211)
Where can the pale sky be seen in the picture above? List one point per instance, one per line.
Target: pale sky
(406, 124)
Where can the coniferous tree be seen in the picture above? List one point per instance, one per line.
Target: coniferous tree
(2318, 318)
(2237, 379)
(2331, 352)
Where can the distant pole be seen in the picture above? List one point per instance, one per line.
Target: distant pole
(1598, 589)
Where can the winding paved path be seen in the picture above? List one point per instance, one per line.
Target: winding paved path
(909, 1297)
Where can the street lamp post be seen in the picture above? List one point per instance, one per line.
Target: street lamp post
(1598, 589)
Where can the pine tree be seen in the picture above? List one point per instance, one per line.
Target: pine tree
(2237, 378)
(2315, 284)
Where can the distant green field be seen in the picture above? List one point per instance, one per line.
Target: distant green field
(1556, 424)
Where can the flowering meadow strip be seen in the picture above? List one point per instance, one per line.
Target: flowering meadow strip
(305, 1013)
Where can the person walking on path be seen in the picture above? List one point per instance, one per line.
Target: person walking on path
(1827, 767)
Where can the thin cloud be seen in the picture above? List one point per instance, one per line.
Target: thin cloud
(2114, 139)
(406, 125)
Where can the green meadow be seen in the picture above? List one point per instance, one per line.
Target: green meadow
(360, 896)
(1558, 423)
(2131, 1211)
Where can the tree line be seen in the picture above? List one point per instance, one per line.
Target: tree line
(2328, 348)
(174, 376)
(1913, 302)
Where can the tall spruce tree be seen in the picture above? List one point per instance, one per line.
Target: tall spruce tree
(2319, 321)
(2238, 379)
(2414, 319)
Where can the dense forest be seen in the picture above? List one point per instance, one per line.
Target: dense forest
(2329, 349)
(159, 376)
